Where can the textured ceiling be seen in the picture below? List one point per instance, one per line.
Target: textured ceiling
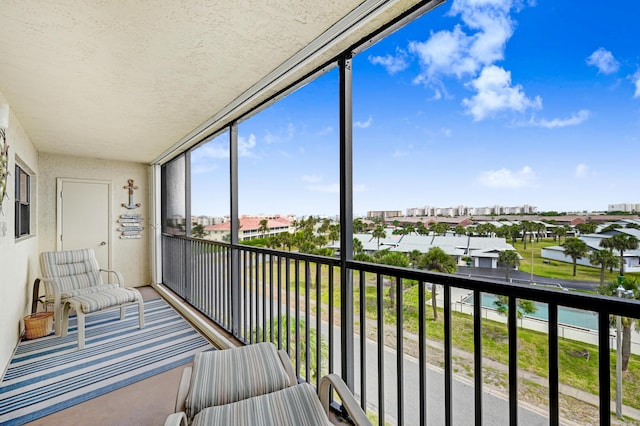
(127, 80)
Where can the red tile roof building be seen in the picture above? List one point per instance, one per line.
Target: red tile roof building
(249, 228)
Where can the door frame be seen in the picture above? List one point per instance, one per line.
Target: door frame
(59, 184)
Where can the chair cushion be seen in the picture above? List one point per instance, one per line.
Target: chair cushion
(230, 375)
(106, 298)
(73, 269)
(88, 290)
(296, 406)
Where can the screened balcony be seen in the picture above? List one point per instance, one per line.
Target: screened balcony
(177, 98)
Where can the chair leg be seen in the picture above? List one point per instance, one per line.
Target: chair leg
(141, 312)
(63, 321)
(57, 318)
(80, 316)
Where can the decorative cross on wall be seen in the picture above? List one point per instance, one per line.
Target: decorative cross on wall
(131, 188)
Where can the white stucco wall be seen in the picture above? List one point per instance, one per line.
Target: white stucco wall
(130, 256)
(18, 258)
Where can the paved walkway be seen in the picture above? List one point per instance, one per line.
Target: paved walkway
(525, 278)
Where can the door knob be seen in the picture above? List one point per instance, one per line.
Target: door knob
(103, 243)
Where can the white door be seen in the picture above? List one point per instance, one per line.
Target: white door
(84, 218)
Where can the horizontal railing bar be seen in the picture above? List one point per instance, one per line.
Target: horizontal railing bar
(583, 301)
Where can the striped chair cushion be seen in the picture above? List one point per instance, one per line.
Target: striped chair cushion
(221, 377)
(88, 290)
(72, 269)
(107, 298)
(296, 406)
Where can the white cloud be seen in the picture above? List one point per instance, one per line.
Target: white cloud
(363, 124)
(399, 153)
(636, 81)
(312, 178)
(574, 120)
(444, 53)
(505, 178)
(469, 51)
(393, 64)
(283, 135)
(582, 171)
(495, 94)
(604, 61)
(211, 151)
(245, 146)
(460, 53)
(325, 131)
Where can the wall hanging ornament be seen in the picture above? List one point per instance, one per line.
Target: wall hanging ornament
(4, 166)
(4, 151)
(130, 187)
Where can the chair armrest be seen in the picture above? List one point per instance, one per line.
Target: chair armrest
(183, 390)
(356, 412)
(53, 285)
(118, 275)
(176, 419)
(288, 367)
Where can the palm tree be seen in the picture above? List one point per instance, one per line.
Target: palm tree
(501, 231)
(491, 229)
(264, 228)
(441, 228)
(509, 259)
(324, 228)
(526, 227)
(357, 246)
(605, 259)
(621, 242)
(610, 289)
(414, 258)
(334, 233)
(514, 231)
(587, 228)
(276, 330)
(421, 229)
(392, 258)
(197, 230)
(378, 233)
(523, 306)
(437, 260)
(576, 249)
(358, 226)
(409, 229)
(558, 232)
(539, 228)
(459, 230)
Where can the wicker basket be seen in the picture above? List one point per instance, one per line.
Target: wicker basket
(37, 325)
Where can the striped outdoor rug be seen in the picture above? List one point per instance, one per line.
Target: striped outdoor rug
(50, 374)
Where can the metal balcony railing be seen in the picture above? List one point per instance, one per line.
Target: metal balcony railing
(299, 302)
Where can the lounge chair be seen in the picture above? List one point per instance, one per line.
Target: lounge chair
(254, 384)
(73, 279)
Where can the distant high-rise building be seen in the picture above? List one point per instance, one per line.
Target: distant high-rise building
(624, 207)
(469, 211)
(383, 214)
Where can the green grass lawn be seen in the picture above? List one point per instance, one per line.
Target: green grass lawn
(556, 269)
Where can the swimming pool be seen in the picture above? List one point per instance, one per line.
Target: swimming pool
(566, 316)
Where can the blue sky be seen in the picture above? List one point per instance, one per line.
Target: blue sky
(479, 102)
